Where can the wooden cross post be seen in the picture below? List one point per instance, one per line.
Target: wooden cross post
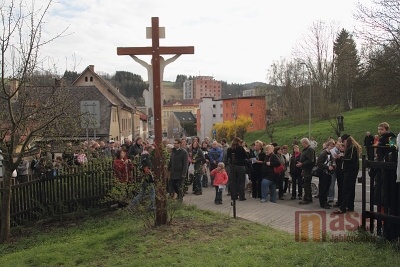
(155, 50)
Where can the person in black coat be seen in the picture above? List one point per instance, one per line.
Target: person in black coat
(237, 157)
(136, 148)
(178, 168)
(326, 164)
(306, 163)
(270, 179)
(295, 173)
(369, 145)
(350, 170)
(257, 157)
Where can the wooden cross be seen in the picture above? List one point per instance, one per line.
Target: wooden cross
(155, 50)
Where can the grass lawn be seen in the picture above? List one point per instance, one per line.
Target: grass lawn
(196, 238)
(356, 123)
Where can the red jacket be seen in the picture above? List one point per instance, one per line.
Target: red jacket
(121, 170)
(220, 177)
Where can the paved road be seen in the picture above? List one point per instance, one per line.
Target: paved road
(283, 215)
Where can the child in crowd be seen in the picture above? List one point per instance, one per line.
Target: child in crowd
(220, 181)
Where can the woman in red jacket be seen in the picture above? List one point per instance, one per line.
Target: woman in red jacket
(122, 166)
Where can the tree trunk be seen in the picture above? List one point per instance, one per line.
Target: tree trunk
(5, 208)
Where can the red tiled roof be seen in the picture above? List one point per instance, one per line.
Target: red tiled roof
(143, 117)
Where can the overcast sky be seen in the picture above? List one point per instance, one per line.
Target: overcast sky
(235, 41)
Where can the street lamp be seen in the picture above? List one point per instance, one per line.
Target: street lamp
(309, 106)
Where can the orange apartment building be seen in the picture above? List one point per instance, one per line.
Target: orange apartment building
(253, 106)
(206, 86)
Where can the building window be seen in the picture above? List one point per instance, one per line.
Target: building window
(251, 104)
(91, 79)
(214, 106)
(86, 79)
(251, 115)
(214, 116)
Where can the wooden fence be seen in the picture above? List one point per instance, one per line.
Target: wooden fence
(383, 217)
(77, 187)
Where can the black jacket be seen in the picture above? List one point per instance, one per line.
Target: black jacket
(350, 160)
(307, 158)
(241, 156)
(268, 171)
(293, 160)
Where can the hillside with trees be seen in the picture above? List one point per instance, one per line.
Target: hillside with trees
(340, 76)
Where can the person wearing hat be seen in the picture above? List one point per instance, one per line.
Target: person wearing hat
(350, 165)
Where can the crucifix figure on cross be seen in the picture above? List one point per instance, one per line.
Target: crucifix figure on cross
(155, 70)
(148, 94)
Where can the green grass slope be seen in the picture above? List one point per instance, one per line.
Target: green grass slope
(196, 238)
(356, 123)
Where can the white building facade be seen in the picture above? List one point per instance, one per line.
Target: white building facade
(210, 113)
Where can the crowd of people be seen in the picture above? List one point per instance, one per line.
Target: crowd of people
(267, 170)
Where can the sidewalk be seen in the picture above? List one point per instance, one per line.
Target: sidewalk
(280, 215)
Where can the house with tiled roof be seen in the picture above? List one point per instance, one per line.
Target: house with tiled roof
(182, 105)
(125, 117)
(69, 100)
(181, 124)
(87, 95)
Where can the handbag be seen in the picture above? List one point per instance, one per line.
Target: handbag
(279, 169)
(191, 169)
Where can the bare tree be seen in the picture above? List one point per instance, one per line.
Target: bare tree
(289, 75)
(28, 112)
(380, 22)
(316, 51)
(380, 29)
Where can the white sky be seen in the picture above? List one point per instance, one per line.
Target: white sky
(235, 41)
